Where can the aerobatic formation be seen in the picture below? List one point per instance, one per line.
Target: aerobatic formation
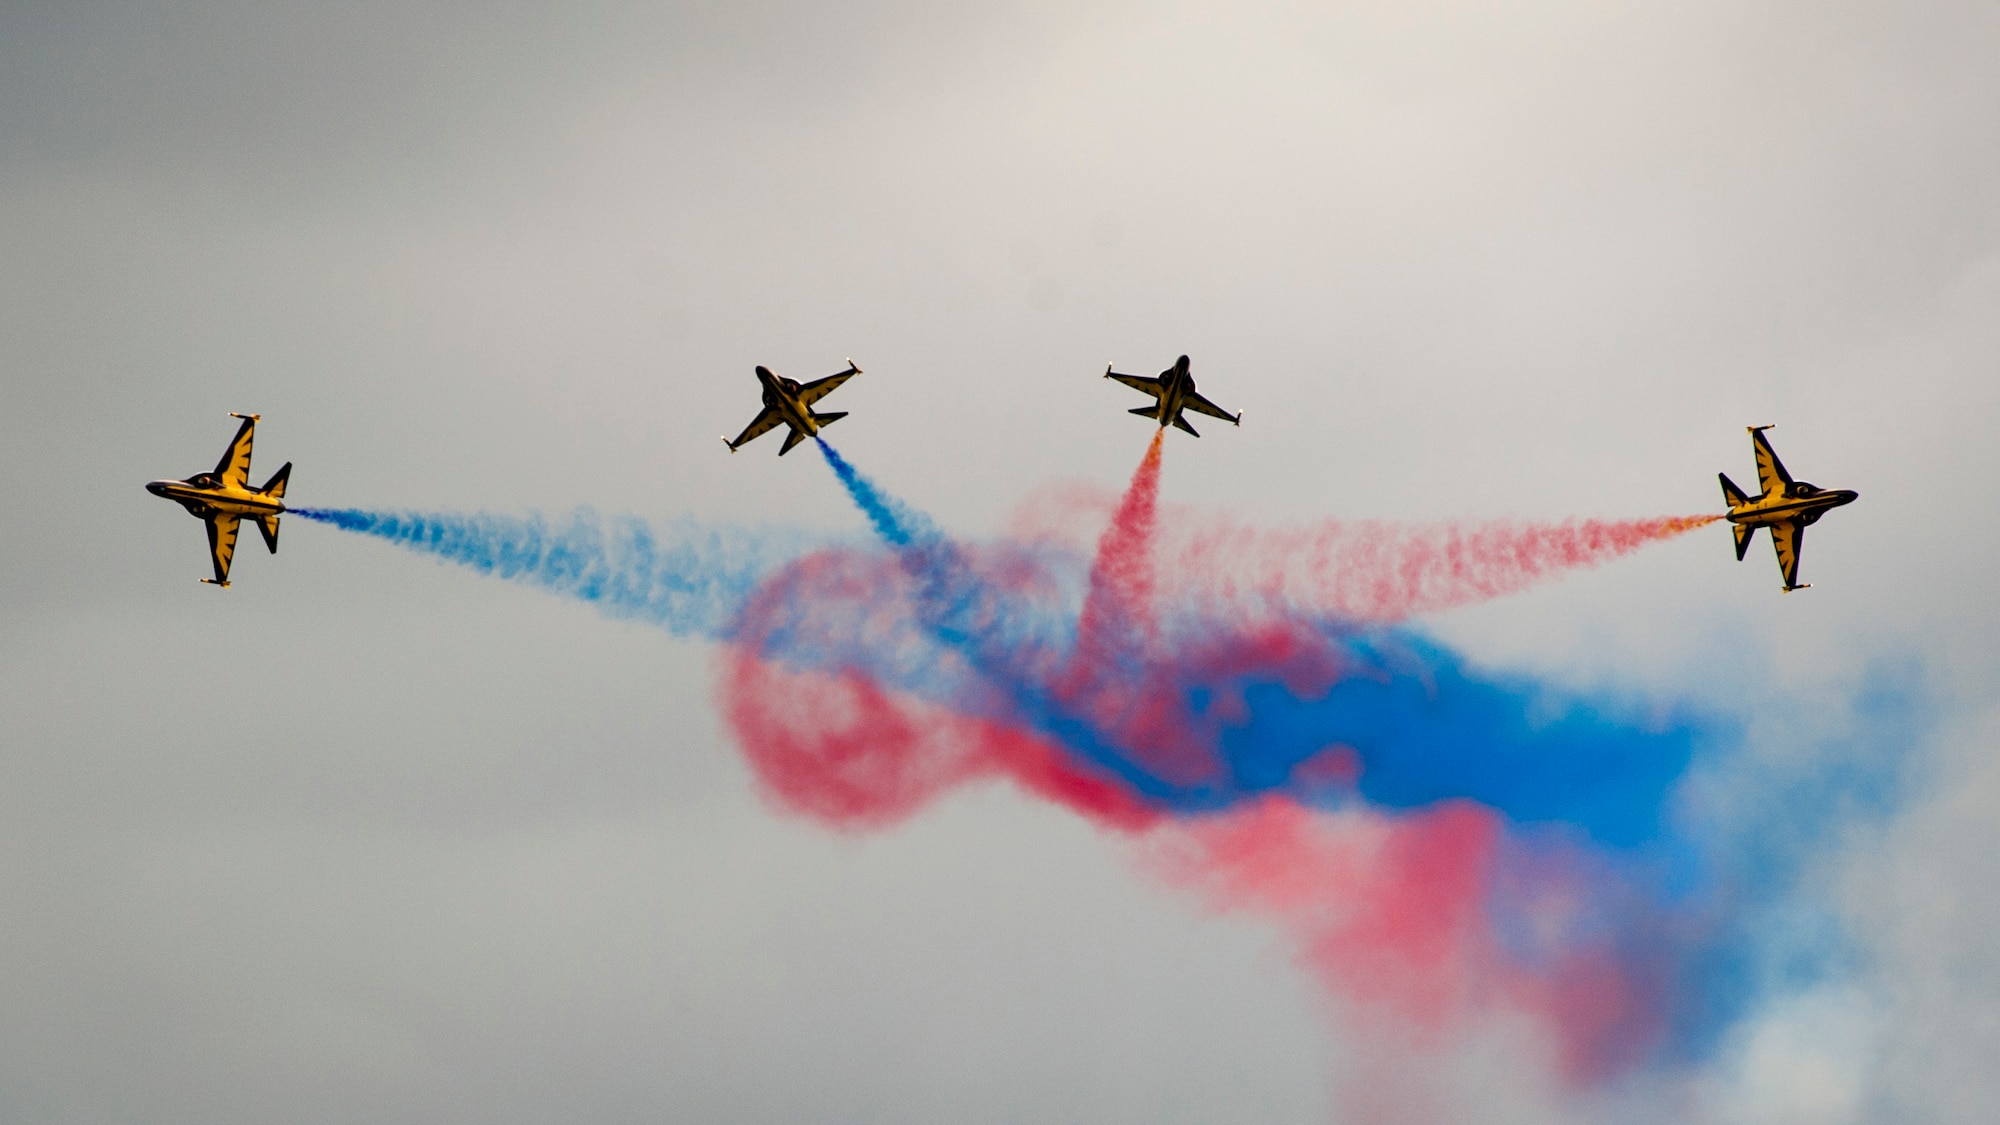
(222, 498)
(1255, 709)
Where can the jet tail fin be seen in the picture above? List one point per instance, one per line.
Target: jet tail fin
(275, 487)
(1743, 533)
(269, 526)
(828, 419)
(1731, 494)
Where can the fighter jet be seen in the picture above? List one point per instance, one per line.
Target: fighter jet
(1786, 507)
(786, 401)
(223, 499)
(1175, 391)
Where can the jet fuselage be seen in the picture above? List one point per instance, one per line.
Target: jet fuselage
(1176, 385)
(782, 395)
(1803, 502)
(203, 496)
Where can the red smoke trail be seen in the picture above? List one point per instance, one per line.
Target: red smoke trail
(841, 750)
(1117, 610)
(830, 743)
(1392, 914)
(1385, 572)
(1114, 630)
(1364, 570)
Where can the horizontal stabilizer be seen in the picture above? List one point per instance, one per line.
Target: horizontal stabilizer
(275, 487)
(1143, 411)
(1743, 533)
(269, 526)
(828, 419)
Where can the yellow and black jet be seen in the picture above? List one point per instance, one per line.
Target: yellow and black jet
(787, 401)
(1174, 388)
(223, 499)
(1786, 506)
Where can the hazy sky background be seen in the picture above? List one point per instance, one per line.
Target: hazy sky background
(370, 839)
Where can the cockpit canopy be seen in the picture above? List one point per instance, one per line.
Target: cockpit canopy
(201, 480)
(1804, 489)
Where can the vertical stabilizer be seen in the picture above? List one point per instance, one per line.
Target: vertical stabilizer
(1731, 495)
(275, 488)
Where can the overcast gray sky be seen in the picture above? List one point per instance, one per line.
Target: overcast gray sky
(370, 839)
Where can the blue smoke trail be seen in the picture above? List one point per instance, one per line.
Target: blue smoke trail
(1427, 729)
(685, 577)
(1715, 908)
(897, 523)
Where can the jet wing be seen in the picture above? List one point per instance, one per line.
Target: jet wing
(1201, 405)
(222, 529)
(1137, 382)
(233, 471)
(791, 439)
(1788, 537)
(1771, 474)
(759, 426)
(820, 388)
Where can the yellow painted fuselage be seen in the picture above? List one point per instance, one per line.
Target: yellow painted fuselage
(1176, 383)
(203, 496)
(782, 395)
(1781, 509)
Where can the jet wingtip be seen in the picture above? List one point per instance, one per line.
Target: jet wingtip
(1762, 428)
(727, 442)
(251, 417)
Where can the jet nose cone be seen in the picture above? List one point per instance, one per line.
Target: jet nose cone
(1847, 496)
(157, 487)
